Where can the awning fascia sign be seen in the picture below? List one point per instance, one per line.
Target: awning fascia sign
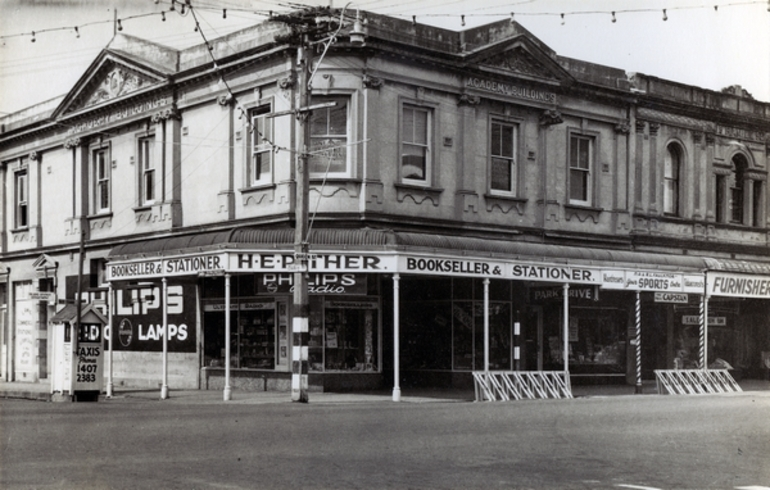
(184, 265)
(641, 280)
(737, 285)
(234, 262)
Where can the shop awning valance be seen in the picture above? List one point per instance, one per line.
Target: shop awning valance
(366, 239)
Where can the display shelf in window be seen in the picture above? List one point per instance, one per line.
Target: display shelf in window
(257, 336)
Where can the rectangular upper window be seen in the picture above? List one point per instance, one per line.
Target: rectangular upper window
(580, 169)
(329, 128)
(21, 199)
(147, 170)
(416, 144)
(100, 180)
(502, 158)
(260, 169)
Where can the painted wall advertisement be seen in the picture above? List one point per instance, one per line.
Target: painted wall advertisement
(26, 337)
(138, 314)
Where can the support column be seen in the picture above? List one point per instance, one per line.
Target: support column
(566, 326)
(486, 325)
(396, 339)
(110, 307)
(164, 386)
(638, 342)
(227, 395)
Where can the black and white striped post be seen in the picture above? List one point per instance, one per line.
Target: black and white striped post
(638, 341)
(703, 337)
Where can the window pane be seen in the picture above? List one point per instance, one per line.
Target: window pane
(719, 195)
(507, 142)
(338, 119)
(413, 162)
(736, 205)
(756, 207)
(408, 128)
(578, 183)
(583, 154)
(420, 127)
(496, 140)
(329, 137)
(501, 174)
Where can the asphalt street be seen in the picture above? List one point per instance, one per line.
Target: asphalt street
(642, 442)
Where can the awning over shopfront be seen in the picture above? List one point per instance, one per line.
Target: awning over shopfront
(261, 250)
(393, 241)
(738, 278)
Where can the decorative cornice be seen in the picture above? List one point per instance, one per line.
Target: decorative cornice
(551, 117)
(623, 127)
(287, 83)
(72, 143)
(697, 136)
(225, 100)
(469, 100)
(369, 81)
(168, 113)
(674, 119)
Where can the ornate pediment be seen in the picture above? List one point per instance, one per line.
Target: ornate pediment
(520, 62)
(110, 81)
(117, 81)
(520, 57)
(118, 73)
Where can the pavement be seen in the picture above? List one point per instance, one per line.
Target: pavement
(41, 391)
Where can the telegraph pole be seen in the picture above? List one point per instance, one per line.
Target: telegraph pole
(303, 25)
(301, 307)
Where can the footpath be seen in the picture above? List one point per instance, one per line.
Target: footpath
(41, 391)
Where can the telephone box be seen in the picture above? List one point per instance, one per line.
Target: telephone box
(78, 356)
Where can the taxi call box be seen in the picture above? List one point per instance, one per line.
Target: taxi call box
(78, 366)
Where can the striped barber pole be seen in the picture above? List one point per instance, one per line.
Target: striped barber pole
(638, 340)
(702, 337)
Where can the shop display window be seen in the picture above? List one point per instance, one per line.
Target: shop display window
(252, 334)
(344, 336)
(597, 340)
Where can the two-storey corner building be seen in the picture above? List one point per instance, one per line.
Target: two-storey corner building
(476, 200)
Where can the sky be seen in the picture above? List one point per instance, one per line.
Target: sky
(707, 43)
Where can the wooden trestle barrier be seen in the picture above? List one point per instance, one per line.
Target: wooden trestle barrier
(695, 381)
(517, 385)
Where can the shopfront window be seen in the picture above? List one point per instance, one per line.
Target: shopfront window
(344, 335)
(443, 324)
(596, 330)
(252, 333)
(344, 322)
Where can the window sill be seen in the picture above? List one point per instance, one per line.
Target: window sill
(21, 229)
(582, 212)
(418, 187)
(505, 203)
(504, 197)
(417, 193)
(257, 188)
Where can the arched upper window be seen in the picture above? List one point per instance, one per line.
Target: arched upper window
(671, 179)
(739, 194)
(737, 190)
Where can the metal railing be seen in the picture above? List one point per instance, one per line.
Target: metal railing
(695, 381)
(517, 385)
